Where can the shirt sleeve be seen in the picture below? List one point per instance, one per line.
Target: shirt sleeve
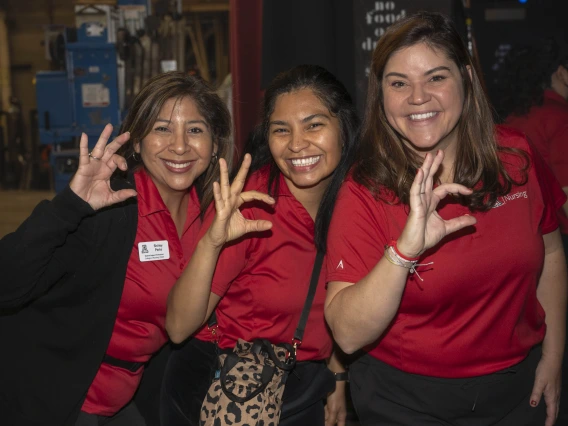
(356, 238)
(553, 196)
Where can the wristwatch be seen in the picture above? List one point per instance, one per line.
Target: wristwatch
(341, 377)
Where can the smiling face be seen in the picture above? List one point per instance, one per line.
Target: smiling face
(304, 140)
(423, 97)
(179, 147)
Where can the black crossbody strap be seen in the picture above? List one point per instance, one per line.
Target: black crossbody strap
(299, 334)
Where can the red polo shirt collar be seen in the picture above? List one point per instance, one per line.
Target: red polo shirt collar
(263, 175)
(283, 190)
(552, 95)
(149, 194)
(151, 201)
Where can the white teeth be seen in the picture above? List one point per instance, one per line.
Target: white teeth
(422, 116)
(305, 161)
(178, 166)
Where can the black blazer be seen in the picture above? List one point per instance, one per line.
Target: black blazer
(61, 278)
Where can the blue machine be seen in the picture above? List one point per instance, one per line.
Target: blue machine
(82, 99)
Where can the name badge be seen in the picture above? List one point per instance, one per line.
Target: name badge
(153, 250)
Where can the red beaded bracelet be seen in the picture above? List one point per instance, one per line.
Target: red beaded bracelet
(399, 254)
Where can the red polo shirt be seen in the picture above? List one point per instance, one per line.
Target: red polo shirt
(139, 329)
(264, 278)
(546, 126)
(476, 312)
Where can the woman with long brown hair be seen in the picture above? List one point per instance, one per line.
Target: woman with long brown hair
(87, 275)
(445, 264)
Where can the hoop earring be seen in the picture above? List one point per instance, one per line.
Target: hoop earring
(134, 157)
(214, 158)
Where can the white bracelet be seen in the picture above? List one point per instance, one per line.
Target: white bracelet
(393, 257)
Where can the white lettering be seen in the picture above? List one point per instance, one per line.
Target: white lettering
(520, 194)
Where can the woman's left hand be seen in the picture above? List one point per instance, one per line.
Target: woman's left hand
(229, 223)
(425, 227)
(336, 406)
(548, 382)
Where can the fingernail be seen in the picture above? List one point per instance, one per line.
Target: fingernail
(533, 403)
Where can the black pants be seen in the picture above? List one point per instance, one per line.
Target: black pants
(189, 374)
(303, 404)
(385, 396)
(128, 416)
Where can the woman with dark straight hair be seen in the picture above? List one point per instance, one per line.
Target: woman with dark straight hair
(445, 264)
(257, 285)
(86, 276)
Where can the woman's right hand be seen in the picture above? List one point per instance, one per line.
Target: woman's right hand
(91, 182)
(229, 223)
(425, 227)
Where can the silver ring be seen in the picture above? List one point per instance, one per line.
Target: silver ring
(93, 157)
(423, 193)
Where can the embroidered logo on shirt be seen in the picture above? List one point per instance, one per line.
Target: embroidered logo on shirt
(501, 201)
(340, 265)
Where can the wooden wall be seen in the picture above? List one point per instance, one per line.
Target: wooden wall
(25, 20)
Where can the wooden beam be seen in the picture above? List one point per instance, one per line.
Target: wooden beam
(219, 50)
(198, 51)
(180, 35)
(205, 60)
(5, 76)
(95, 2)
(206, 7)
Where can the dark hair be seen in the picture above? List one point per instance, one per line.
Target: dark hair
(385, 162)
(335, 97)
(524, 75)
(176, 85)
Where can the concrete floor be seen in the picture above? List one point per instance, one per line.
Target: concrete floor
(16, 206)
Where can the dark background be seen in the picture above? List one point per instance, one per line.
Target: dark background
(340, 35)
